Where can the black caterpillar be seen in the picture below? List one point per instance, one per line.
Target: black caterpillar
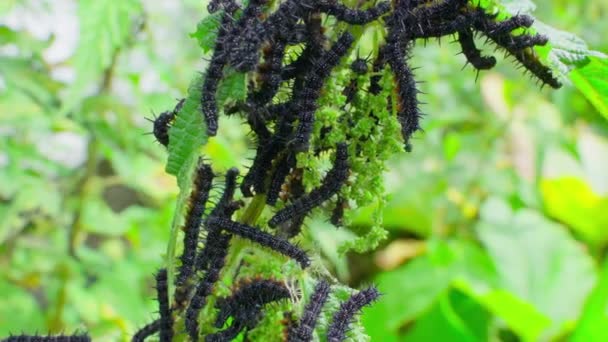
(48, 338)
(330, 186)
(345, 315)
(302, 331)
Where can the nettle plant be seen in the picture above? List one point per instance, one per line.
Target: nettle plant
(326, 89)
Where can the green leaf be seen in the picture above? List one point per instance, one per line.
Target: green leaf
(98, 218)
(572, 201)
(567, 51)
(537, 260)
(451, 146)
(28, 315)
(206, 31)
(187, 135)
(455, 317)
(592, 81)
(519, 315)
(105, 27)
(408, 292)
(593, 323)
(233, 88)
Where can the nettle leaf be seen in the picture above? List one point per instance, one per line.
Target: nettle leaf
(206, 31)
(537, 261)
(233, 87)
(567, 50)
(566, 53)
(592, 80)
(105, 26)
(187, 134)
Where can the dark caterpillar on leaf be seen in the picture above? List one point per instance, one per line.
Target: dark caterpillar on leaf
(407, 100)
(352, 16)
(203, 180)
(227, 5)
(213, 76)
(162, 123)
(473, 55)
(303, 331)
(204, 289)
(330, 186)
(248, 296)
(282, 169)
(256, 235)
(345, 315)
(49, 338)
(146, 331)
(305, 97)
(166, 320)
(245, 307)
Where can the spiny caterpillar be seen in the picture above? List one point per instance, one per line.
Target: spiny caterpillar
(162, 123)
(302, 331)
(248, 298)
(166, 320)
(256, 235)
(331, 184)
(203, 179)
(49, 338)
(345, 315)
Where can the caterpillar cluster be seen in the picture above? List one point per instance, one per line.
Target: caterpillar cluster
(245, 305)
(205, 257)
(302, 331)
(281, 109)
(285, 93)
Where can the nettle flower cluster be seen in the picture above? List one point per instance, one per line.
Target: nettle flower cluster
(310, 98)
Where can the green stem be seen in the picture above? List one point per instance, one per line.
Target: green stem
(253, 210)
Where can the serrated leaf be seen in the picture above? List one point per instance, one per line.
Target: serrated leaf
(206, 32)
(592, 81)
(186, 136)
(105, 26)
(567, 50)
(233, 87)
(187, 133)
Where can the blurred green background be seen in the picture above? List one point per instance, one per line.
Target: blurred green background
(498, 220)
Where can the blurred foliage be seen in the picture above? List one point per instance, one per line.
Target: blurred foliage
(497, 221)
